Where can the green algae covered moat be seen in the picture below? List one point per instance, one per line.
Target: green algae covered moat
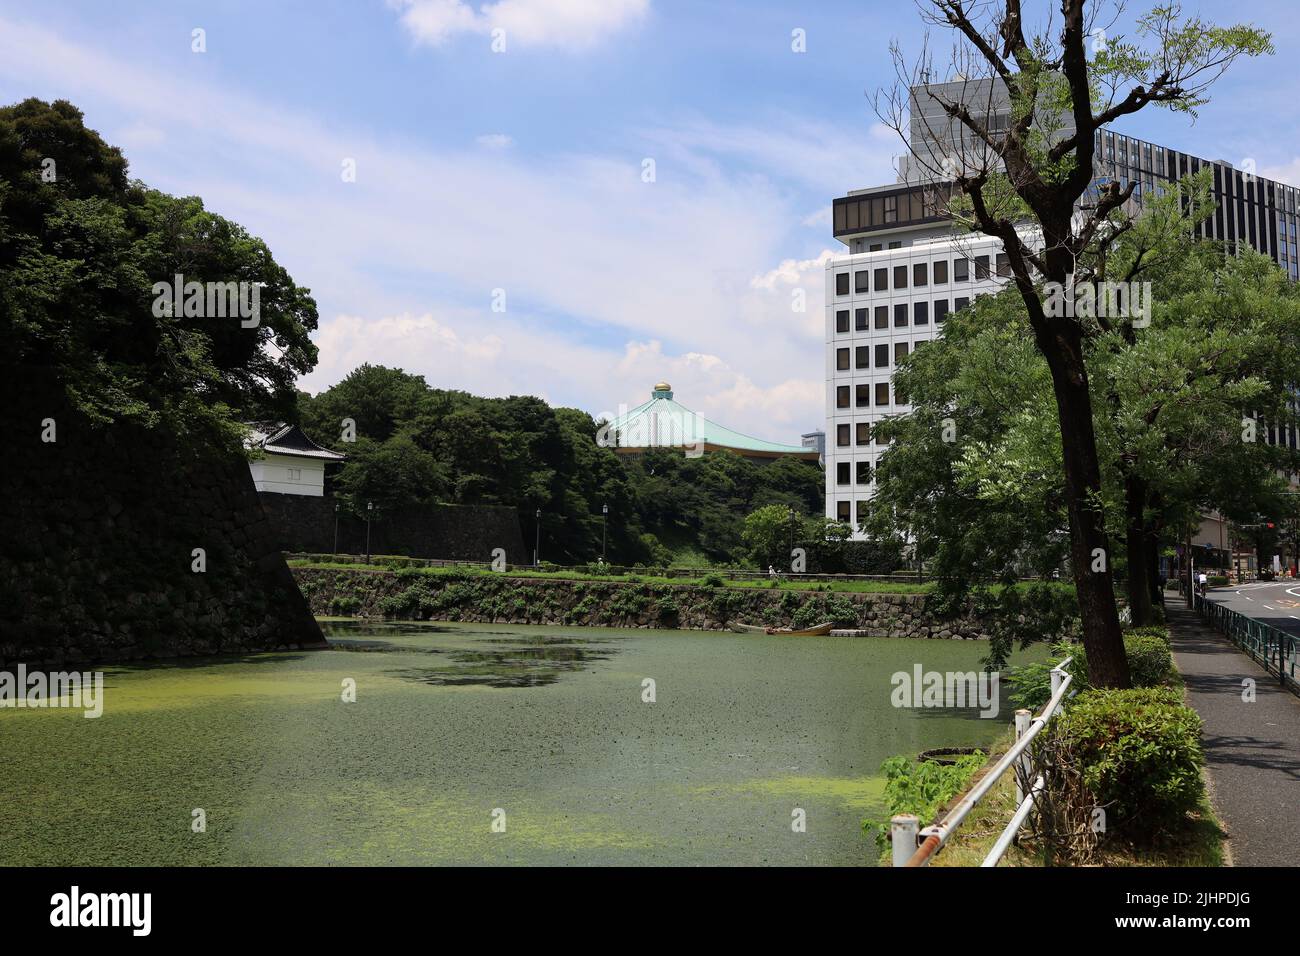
(481, 744)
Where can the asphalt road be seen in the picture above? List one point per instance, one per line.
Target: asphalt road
(1275, 602)
(1252, 749)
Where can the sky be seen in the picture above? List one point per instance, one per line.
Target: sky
(573, 199)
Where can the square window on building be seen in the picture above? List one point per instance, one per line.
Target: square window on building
(842, 320)
(900, 352)
(941, 272)
(940, 311)
(860, 320)
(862, 357)
(882, 316)
(900, 277)
(841, 359)
(920, 273)
(842, 511)
(981, 267)
(841, 283)
(842, 473)
(882, 280)
(860, 281)
(900, 315)
(841, 396)
(882, 394)
(920, 313)
(842, 436)
(862, 393)
(862, 510)
(882, 355)
(864, 472)
(960, 270)
(1004, 265)
(960, 303)
(875, 247)
(898, 244)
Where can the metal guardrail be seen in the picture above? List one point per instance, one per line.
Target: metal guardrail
(1273, 649)
(904, 831)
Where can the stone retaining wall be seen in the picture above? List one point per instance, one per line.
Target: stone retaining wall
(415, 595)
(97, 536)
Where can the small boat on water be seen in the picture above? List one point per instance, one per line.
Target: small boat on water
(789, 632)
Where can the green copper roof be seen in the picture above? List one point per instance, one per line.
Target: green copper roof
(663, 422)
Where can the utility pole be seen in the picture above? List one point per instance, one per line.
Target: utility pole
(792, 521)
(370, 507)
(604, 520)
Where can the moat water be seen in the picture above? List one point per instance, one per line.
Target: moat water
(482, 744)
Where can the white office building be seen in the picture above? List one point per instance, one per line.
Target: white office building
(907, 270)
(881, 305)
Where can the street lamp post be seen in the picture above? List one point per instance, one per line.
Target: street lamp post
(537, 541)
(370, 507)
(336, 528)
(792, 520)
(604, 520)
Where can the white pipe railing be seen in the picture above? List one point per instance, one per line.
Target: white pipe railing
(936, 836)
(1013, 828)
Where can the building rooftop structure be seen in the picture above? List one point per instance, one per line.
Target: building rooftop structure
(277, 438)
(663, 422)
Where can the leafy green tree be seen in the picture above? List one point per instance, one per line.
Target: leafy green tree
(767, 535)
(1033, 170)
(81, 248)
(420, 444)
(974, 473)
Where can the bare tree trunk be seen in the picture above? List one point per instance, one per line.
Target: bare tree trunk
(1135, 549)
(1089, 554)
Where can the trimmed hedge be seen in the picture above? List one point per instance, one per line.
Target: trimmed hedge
(1140, 754)
(1150, 663)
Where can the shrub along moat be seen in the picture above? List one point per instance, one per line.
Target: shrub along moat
(453, 595)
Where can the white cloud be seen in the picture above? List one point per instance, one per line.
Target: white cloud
(1288, 173)
(566, 24)
(820, 219)
(794, 272)
(137, 136)
(403, 261)
(495, 141)
(828, 157)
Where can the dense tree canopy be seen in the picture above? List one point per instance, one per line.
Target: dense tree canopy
(1181, 412)
(1036, 170)
(81, 249)
(417, 443)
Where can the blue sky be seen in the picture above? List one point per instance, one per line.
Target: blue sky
(522, 171)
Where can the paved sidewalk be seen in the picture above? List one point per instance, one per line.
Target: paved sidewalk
(1252, 750)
